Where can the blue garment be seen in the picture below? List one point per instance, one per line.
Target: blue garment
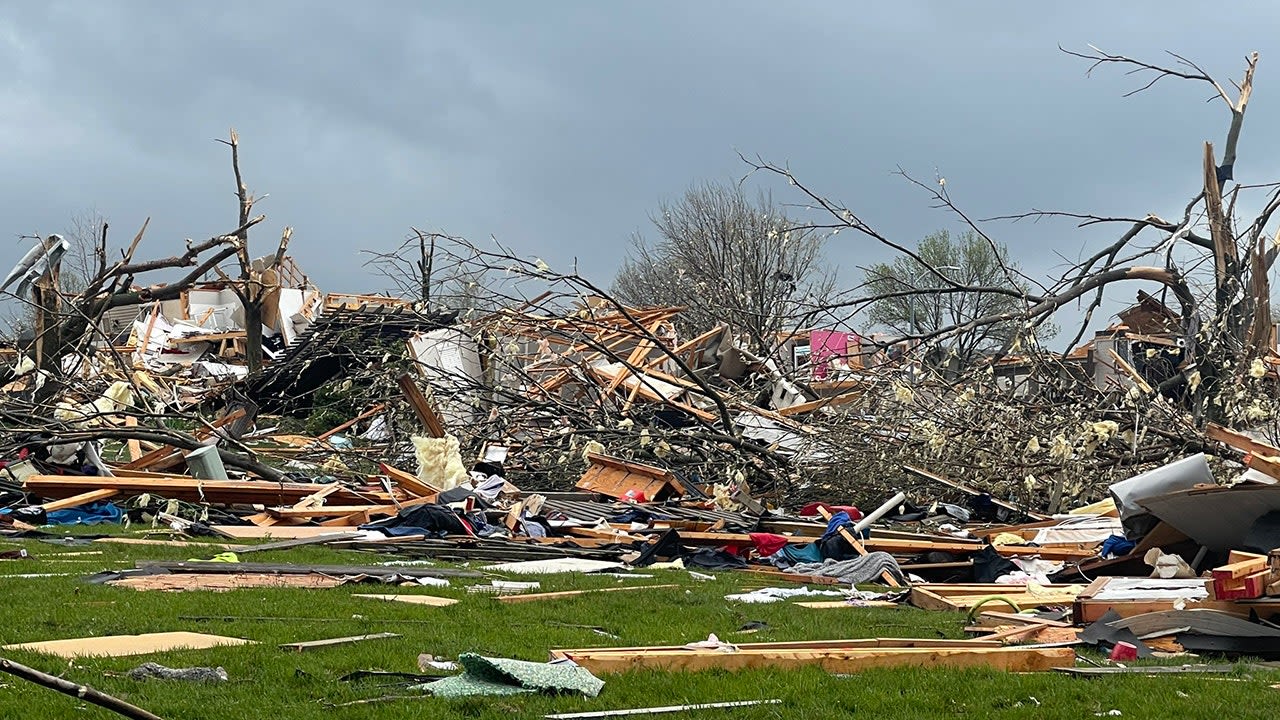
(833, 525)
(1116, 545)
(92, 514)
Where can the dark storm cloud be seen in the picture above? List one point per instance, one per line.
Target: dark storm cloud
(558, 126)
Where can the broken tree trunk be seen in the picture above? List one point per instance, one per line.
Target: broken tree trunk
(82, 692)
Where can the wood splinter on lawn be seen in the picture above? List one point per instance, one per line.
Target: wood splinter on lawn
(313, 644)
(659, 710)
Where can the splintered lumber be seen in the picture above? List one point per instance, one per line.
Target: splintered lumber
(408, 482)
(531, 597)
(962, 597)
(1137, 596)
(421, 406)
(925, 474)
(362, 416)
(1239, 441)
(125, 645)
(167, 456)
(253, 532)
(75, 501)
(330, 642)
(80, 692)
(1245, 576)
(182, 487)
(613, 477)
(853, 541)
(1012, 659)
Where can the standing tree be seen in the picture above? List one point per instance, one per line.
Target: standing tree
(727, 259)
(258, 278)
(918, 295)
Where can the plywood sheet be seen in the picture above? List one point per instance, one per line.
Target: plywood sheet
(223, 583)
(126, 645)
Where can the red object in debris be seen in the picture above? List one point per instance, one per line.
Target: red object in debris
(811, 510)
(634, 496)
(768, 543)
(1124, 651)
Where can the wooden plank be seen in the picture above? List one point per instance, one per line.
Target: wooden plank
(1239, 441)
(1012, 659)
(330, 642)
(279, 533)
(533, 597)
(832, 401)
(849, 538)
(132, 445)
(170, 543)
(408, 482)
(421, 406)
(1239, 567)
(126, 645)
(1131, 371)
(362, 416)
(181, 487)
(82, 499)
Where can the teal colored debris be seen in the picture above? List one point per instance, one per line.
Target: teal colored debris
(503, 676)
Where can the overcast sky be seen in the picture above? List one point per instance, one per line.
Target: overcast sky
(558, 126)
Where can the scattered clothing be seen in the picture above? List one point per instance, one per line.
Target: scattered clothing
(861, 569)
(772, 595)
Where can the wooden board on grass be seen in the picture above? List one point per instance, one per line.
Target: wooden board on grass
(126, 645)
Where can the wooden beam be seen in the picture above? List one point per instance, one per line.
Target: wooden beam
(82, 499)
(849, 538)
(421, 406)
(362, 416)
(408, 482)
(1239, 441)
(330, 642)
(1012, 659)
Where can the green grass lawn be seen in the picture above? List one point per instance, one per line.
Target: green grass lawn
(267, 682)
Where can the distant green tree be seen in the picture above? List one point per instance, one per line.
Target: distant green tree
(966, 260)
